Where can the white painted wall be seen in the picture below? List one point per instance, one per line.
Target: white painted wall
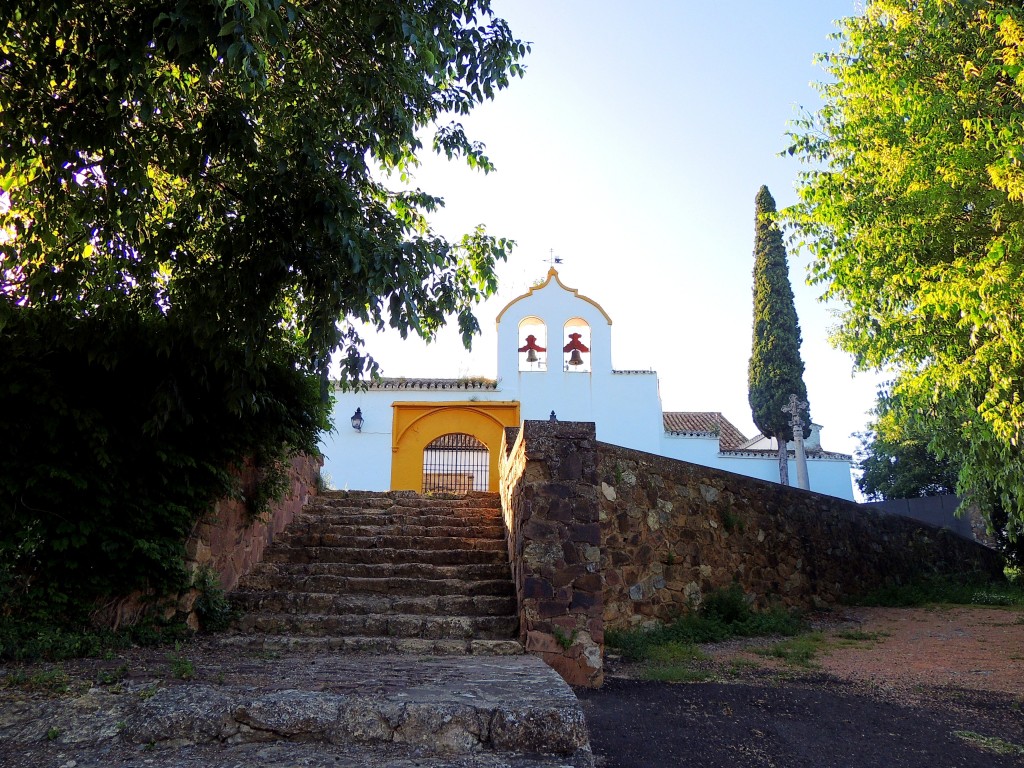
(625, 405)
(362, 460)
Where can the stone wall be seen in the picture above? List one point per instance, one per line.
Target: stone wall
(672, 531)
(230, 543)
(549, 496)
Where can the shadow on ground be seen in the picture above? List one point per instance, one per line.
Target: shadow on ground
(814, 722)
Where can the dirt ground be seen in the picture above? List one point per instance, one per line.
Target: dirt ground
(929, 687)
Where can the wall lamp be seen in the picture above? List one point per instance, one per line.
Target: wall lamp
(357, 420)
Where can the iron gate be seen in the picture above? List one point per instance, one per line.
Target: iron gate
(456, 463)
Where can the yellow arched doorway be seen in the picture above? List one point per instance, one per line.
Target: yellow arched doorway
(416, 425)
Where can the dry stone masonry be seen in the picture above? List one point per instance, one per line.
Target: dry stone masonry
(606, 537)
(672, 531)
(550, 501)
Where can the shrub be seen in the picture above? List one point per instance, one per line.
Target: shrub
(119, 435)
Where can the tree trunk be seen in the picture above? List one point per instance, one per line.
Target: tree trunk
(783, 461)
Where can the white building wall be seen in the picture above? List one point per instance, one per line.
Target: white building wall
(696, 450)
(624, 405)
(362, 460)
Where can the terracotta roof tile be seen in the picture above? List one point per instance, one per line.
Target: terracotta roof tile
(466, 383)
(711, 422)
(814, 453)
(475, 382)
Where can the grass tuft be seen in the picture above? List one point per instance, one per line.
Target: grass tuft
(947, 590)
(990, 743)
(800, 650)
(724, 614)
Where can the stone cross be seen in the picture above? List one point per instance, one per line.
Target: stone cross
(796, 405)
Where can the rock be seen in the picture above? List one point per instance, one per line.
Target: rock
(181, 714)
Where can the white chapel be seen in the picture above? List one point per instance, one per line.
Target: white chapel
(554, 361)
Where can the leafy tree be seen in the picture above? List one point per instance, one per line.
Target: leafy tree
(196, 203)
(217, 161)
(914, 212)
(894, 458)
(776, 370)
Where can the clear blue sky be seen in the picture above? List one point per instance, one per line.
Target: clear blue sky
(634, 148)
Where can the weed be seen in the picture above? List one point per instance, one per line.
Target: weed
(852, 637)
(53, 680)
(212, 606)
(723, 615)
(677, 673)
(324, 482)
(799, 650)
(673, 663)
(618, 474)
(565, 639)
(990, 743)
(52, 734)
(148, 692)
(731, 522)
(939, 590)
(33, 640)
(858, 635)
(181, 666)
(737, 666)
(675, 652)
(111, 676)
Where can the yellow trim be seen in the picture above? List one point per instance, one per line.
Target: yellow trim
(552, 273)
(416, 424)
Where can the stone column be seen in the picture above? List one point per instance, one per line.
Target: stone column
(557, 551)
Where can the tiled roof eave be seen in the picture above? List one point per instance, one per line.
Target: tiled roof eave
(429, 384)
(815, 456)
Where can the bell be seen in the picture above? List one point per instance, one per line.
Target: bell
(575, 358)
(531, 356)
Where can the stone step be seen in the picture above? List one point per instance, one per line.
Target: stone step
(382, 625)
(412, 646)
(418, 707)
(450, 509)
(468, 572)
(267, 579)
(303, 539)
(324, 603)
(281, 553)
(407, 500)
(465, 516)
(398, 525)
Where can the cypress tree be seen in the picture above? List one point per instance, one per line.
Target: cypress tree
(776, 370)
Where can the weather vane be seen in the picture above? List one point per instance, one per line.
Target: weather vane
(552, 259)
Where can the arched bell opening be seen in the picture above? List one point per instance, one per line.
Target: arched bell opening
(576, 351)
(456, 463)
(533, 341)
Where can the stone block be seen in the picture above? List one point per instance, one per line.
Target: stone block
(589, 533)
(537, 588)
(548, 608)
(584, 601)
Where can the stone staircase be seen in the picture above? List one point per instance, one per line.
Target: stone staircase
(392, 572)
